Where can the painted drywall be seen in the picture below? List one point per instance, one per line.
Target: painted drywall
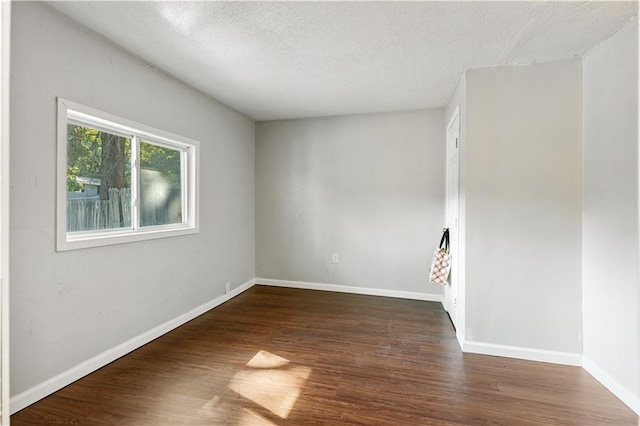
(610, 215)
(368, 187)
(523, 202)
(70, 306)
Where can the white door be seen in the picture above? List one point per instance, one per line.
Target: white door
(451, 213)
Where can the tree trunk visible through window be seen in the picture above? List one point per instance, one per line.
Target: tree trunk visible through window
(112, 166)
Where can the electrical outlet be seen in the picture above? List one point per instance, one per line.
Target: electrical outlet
(335, 258)
(227, 287)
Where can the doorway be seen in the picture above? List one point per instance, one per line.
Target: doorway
(452, 210)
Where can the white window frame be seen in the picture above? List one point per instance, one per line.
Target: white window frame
(69, 111)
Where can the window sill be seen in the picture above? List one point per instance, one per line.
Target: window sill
(88, 240)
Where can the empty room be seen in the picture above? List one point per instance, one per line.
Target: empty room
(319, 213)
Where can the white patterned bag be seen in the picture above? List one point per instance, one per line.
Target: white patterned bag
(441, 264)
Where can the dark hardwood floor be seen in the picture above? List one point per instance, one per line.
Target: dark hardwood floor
(277, 356)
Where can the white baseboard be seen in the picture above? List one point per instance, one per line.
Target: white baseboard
(519, 352)
(47, 387)
(625, 395)
(460, 339)
(350, 289)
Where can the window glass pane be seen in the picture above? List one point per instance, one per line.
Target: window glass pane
(160, 185)
(98, 180)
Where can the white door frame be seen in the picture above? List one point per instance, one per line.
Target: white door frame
(5, 70)
(452, 214)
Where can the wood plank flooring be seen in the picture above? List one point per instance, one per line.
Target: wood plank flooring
(278, 356)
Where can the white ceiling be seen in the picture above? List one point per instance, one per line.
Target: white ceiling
(274, 60)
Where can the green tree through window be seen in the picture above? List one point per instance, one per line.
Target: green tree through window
(100, 155)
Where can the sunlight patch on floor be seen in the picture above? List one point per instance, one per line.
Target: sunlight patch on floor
(251, 418)
(212, 409)
(271, 382)
(218, 411)
(264, 359)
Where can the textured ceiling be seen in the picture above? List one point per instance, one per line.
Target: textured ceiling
(273, 60)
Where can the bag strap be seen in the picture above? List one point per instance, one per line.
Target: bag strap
(445, 240)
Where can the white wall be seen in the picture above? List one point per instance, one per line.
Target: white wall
(68, 307)
(522, 186)
(368, 187)
(610, 216)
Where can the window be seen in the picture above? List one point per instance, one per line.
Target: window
(120, 181)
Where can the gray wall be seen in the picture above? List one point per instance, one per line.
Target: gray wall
(523, 201)
(368, 187)
(610, 217)
(68, 307)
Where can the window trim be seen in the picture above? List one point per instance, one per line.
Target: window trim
(69, 111)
